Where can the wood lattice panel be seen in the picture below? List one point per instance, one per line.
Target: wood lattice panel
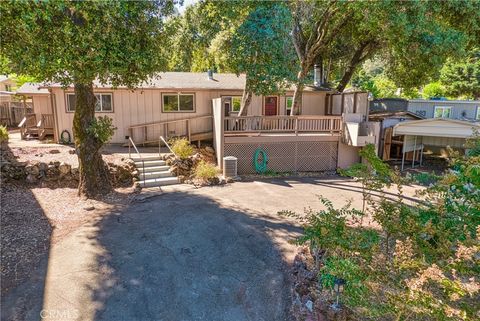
(286, 156)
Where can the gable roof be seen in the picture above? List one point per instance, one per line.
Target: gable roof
(192, 81)
(437, 127)
(31, 88)
(182, 80)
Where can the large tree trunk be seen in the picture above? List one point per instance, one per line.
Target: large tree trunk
(94, 175)
(297, 95)
(359, 56)
(246, 100)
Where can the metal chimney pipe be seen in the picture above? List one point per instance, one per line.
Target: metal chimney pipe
(317, 76)
(210, 74)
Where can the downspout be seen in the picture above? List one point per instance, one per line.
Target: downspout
(56, 134)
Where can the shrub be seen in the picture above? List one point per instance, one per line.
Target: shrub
(102, 129)
(182, 147)
(3, 134)
(205, 171)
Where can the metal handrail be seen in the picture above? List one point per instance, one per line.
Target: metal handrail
(130, 143)
(166, 144)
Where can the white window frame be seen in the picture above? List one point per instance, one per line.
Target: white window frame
(67, 104)
(178, 100)
(444, 108)
(477, 116)
(98, 96)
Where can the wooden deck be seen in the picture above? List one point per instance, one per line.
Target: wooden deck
(282, 125)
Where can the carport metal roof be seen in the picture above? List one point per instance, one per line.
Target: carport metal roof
(437, 127)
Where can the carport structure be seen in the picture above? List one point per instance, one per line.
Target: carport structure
(438, 132)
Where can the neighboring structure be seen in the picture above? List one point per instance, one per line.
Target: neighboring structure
(325, 136)
(12, 107)
(390, 147)
(451, 109)
(385, 105)
(434, 134)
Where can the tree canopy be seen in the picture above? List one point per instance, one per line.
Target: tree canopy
(115, 42)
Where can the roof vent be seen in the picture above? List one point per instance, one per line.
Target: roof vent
(210, 74)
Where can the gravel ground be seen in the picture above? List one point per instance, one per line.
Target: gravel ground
(34, 218)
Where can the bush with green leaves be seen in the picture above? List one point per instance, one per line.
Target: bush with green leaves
(102, 129)
(205, 171)
(3, 134)
(422, 260)
(182, 148)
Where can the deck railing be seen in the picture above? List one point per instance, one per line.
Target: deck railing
(188, 127)
(283, 124)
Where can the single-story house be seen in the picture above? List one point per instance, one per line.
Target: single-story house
(452, 109)
(325, 136)
(434, 133)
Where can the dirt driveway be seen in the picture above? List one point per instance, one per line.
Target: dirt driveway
(216, 253)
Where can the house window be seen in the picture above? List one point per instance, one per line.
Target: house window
(71, 102)
(8, 87)
(173, 103)
(236, 103)
(442, 112)
(477, 117)
(103, 103)
(289, 103)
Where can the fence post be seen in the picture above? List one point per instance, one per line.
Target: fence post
(296, 127)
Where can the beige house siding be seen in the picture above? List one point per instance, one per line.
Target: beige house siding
(42, 105)
(134, 107)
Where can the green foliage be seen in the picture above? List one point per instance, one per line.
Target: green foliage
(3, 134)
(433, 90)
(119, 42)
(102, 129)
(462, 77)
(425, 179)
(182, 148)
(374, 174)
(205, 171)
(421, 261)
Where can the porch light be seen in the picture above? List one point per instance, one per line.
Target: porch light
(338, 287)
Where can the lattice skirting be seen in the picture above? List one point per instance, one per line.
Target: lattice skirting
(286, 156)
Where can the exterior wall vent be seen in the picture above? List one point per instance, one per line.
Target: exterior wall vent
(229, 166)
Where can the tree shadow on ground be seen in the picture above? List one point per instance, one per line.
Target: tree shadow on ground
(182, 256)
(25, 245)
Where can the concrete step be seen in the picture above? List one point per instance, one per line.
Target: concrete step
(149, 163)
(151, 175)
(163, 181)
(148, 169)
(146, 158)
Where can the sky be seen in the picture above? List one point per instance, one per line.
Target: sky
(186, 3)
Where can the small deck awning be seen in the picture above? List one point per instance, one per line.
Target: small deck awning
(437, 127)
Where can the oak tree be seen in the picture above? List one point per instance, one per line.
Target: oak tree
(77, 43)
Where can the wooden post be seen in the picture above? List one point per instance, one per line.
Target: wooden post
(296, 126)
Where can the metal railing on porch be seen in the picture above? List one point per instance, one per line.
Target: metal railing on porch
(283, 124)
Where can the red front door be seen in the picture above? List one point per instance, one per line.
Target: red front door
(271, 104)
